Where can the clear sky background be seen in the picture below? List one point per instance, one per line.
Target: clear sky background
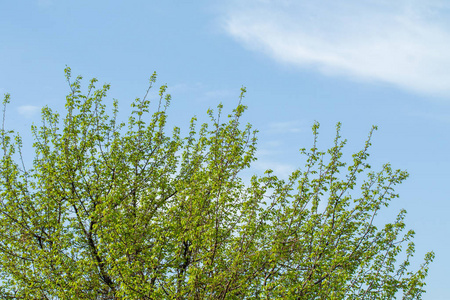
(363, 63)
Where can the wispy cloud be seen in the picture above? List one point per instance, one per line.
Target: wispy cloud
(405, 43)
(281, 170)
(270, 148)
(28, 111)
(284, 127)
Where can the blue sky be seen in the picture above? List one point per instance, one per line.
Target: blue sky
(363, 63)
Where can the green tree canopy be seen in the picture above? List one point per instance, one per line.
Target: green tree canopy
(113, 210)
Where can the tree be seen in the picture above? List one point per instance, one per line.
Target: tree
(127, 211)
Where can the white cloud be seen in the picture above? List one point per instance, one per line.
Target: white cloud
(284, 127)
(405, 43)
(270, 148)
(28, 110)
(281, 170)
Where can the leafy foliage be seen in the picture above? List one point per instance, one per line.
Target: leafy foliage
(112, 210)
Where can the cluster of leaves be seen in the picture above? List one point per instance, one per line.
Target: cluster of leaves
(112, 210)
